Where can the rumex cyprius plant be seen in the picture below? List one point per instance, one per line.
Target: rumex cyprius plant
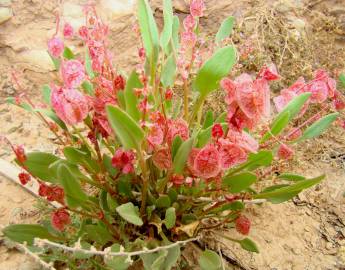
(140, 169)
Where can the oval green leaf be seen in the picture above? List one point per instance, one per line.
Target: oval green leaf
(130, 213)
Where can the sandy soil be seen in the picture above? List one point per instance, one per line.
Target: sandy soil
(305, 234)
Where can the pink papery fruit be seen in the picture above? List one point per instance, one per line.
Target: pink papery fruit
(73, 73)
(156, 135)
(123, 161)
(60, 219)
(269, 73)
(207, 163)
(68, 31)
(319, 91)
(243, 140)
(70, 105)
(197, 8)
(177, 127)
(230, 154)
(55, 47)
(162, 159)
(285, 152)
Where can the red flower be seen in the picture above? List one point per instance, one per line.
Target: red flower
(189, 23)
(217, 131)
(242, 225)
(162, 159)
(123, 161)
(43, 190)
(55, 193)
(24, 178)
(285, 152)
(60, 219)
(20, 153)
(169, 94)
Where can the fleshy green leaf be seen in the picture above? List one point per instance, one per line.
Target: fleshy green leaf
(214, 69)
(74, 195)
(98, 233)
(248, 245)
(130, 213)
(342, 79)
(149, 31)
(175, 33)
(163, 201)
(239, 182)
(209, 260)
(182, 155)
(168, 24)
(176, 145)
(208, 120)
(88, 65)
(27, 233)
(319, 127)
(291, 177)
(68, 54)
(130, 98)
(88, 88)
(46, 92)
(118, 262)
(296, 104)
(171, 258)
(169, 72)
(286, 193)
(170, 218)
(225, 29)
(261, 158)
(281, 121)
(126, 129)
(37, 163)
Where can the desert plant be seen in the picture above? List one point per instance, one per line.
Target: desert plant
(140, 169)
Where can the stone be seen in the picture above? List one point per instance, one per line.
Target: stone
(5, 3)
(73, 14)
(5, 14)
(116, 8)
(36, 60)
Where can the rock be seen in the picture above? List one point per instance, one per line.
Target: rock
(5, 14)
(115, 8)
(37, 60)
(29, 265)
(73, 14)
(181, 5)
(5, 3)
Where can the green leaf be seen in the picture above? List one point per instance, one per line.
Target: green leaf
(154, 261)
(37, 163)
(214, 69)
(88, 65)
(131, 99)
(27, 233)
(49, 113)
(46, 92)
(77, 157)
(74, 195)
(261, 158)
(181, 156)
(209, 260)
(163, 201)
(108, 166)
(168, 24)
(221, 118)
(239, 182)
(286, 193)
(172, 257)
(281, 121)
(234, 206)
(118, 262)
(342, 79)
(149, 31)
(170, 218)
(296, 104)
(126, 129)
(98, 233)
(56, 62)
(225, 29)
(248, 245)
(291, 177)
(168, 72)
(318, 127)
(68, 54)
(175, 33)
(130, 213)
(176, 145)
(88, 88)
(208, 120)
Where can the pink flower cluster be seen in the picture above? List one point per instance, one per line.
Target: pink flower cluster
(211, 160)
(60, 219)
(249, 100)
(321, 88)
